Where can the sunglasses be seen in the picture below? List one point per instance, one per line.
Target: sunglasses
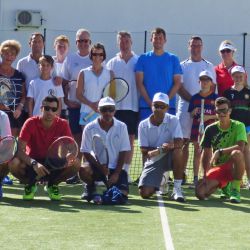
(97, 54)
(83, 40)
(107, 109)
(221, 111)
(159, 106)
(48, 108)
(225, 51)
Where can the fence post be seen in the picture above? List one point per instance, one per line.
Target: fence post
(244, 48)
(145, 41)
(44, 34)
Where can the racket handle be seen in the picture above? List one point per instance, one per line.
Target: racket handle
(88, 116)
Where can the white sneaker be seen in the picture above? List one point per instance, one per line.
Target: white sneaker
(177, 195)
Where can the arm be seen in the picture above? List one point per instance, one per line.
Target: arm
(30, 106)
(80, 91)
(206, 156)
(139, 76)
(70, 104)
(176, 86)
(184, 94)
(20, 106)
(21, 154)
(59, 106)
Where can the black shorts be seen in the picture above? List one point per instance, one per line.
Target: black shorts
(74, 117)
(17, 123)
(130, 118)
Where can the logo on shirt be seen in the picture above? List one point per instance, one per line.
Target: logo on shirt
(52, 92)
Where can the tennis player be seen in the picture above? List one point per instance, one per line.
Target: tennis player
(115, 135)
(37, 134)
(222, 157)
(4, 131)
(161, 130)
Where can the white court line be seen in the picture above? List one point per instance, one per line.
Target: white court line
(164, 222)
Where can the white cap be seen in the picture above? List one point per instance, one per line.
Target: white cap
(238, 68)
(226, 46)
(206, 73)
(161, 97)
(106, 101)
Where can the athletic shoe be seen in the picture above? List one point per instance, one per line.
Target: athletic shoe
(53, 192)
(7, 181)
(177, 195)
(73, 180)
(226, 191)
(235, 196)
(88, 193)
(29, 192)
(1, 191)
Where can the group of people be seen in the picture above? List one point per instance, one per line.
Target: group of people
(165, 98)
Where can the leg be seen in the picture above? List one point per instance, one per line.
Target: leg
(196, 161)
(185, 154)
(205, 188)
(3, 172)
(247, 160)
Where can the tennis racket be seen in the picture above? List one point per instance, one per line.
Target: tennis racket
(61, 153)
(201, 126)
(101, 155)
(7, 93)
(8, 149)
(117, 89)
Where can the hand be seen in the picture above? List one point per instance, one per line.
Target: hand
(4, 107)
(71, 104)
(17, 113)
(58, 80)
(40, 170)
(94, 106)
(215, 157)
(195, 112)
(113, 178)
(167, 146)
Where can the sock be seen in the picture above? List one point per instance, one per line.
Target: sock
(236, 185)
(177, 183)
(126, 167)
(195, 178)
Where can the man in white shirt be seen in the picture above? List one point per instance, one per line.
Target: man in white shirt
(115, 136)
(123, 66)
(71, 67)
(191, 68)
(160, 133)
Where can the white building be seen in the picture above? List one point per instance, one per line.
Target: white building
(214, 21)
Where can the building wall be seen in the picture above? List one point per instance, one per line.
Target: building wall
(214, 21)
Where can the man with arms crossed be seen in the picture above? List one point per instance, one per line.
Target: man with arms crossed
(37, 134)
(160, 131)
(222, 157)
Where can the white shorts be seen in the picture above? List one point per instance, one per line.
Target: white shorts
(186, 123)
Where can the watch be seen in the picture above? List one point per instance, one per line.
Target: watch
(33, 163)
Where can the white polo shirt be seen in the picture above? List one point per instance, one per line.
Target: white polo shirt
(4, 125)
(154, 136)
(116, 139)
(72, 65)
(127, 72)
(30, 68)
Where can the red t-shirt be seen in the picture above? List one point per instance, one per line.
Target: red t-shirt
(223, 78)
(39, 138)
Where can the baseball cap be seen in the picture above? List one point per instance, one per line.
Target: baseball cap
(227, 46)
(161, 97)
(206, 73)
(238, 68)
(106, 101)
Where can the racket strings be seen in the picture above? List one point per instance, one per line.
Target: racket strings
(100, 151)
(8, 148)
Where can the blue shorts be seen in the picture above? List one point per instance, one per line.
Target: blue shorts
(74, 116)
(248, 130)
(90, 119)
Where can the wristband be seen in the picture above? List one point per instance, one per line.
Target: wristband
(160, 150)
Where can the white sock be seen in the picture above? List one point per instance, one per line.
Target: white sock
(126, 167)
(177, 183)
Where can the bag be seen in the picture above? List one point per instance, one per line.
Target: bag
(114, 196)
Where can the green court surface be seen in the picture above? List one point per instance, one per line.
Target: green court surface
(76, 224)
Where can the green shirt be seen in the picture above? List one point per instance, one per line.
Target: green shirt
(217, 138)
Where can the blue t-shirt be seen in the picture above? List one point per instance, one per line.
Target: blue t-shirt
(158, 74)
